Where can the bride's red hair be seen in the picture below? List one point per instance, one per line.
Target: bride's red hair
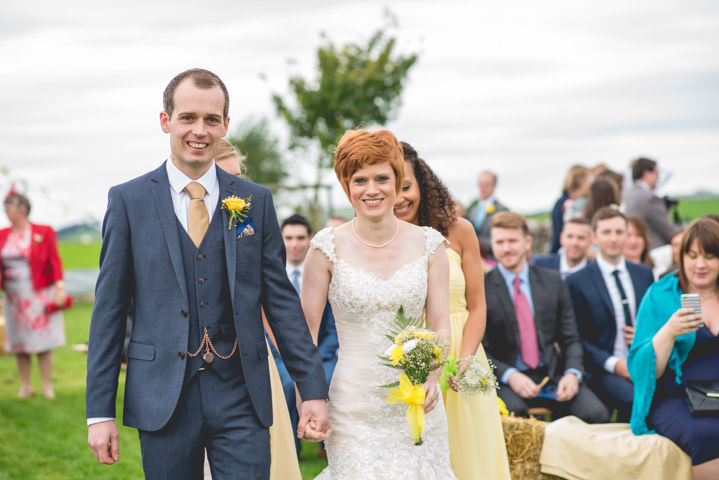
(358, 148)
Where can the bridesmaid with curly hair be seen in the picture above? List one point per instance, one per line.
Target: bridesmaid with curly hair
(476, 441)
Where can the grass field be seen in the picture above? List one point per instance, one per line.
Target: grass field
(47, 439)
(76, 255)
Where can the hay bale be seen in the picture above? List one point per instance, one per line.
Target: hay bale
(524, 438)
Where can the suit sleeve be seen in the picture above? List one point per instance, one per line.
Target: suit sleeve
(656, 216)
(597, 355)
(284, 313)
(109, 314)
(568, 332)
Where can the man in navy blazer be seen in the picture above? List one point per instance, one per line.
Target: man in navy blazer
(576, 238)
(606, 295)
(197, 373)
(551, 331)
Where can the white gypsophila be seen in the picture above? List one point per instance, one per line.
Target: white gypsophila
(409, 345)
(388, 352)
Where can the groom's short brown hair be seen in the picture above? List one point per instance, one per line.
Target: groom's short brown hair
(358, 148)
(203, 79)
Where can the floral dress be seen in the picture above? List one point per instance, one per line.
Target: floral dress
(29, 328)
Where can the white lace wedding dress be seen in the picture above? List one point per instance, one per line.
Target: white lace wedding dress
(370, 439)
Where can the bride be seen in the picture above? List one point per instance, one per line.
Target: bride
(367, 269)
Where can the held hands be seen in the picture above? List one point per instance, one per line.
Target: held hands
(567, 387)
(103, 438)
(314, 425)
(682, 322)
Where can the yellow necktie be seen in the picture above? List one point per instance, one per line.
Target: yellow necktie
(198, 218)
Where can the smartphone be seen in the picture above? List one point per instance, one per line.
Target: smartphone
(691, 300)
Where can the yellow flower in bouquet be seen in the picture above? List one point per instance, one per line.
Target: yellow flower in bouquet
(417, 352)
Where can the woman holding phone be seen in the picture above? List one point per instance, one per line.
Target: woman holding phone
(673, 346)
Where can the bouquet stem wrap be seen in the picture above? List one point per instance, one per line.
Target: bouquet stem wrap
(413, 396)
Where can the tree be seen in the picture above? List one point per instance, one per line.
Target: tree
(263, 163)
(354, 86)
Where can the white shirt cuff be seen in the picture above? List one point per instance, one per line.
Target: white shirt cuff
(94, 420)
(611, 363)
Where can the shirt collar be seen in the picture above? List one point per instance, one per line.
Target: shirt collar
(565, 268)
(291, 268)
(178, 180)
(488, 201)
(607, 268)
(509, 276)
(643, 186)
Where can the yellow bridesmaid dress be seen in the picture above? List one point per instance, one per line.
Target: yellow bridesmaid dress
(476, 441)
(284, 464)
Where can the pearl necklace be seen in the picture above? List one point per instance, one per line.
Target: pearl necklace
(370, 244)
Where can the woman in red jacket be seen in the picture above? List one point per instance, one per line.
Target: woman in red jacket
(33, 286)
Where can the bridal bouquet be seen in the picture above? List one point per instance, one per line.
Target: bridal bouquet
(417, 352)
(471, 375)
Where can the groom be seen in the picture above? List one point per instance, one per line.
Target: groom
(197, 371)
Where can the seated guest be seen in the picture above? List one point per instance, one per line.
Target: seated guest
(638, 245)
(575, 182)
(575, 240)
(602, 193)
(674, 346)
(676, 243)
(606, 295)
(529, 311)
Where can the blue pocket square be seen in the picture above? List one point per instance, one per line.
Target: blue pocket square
(246, 228)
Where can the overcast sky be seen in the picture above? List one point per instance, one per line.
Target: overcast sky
(522, 87)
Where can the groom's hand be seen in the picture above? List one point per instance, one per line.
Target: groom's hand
(314, 425)
(103, 438)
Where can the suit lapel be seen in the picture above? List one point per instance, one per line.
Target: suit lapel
(598, 281)
(160, 186)
(505, 300)
(228, 188)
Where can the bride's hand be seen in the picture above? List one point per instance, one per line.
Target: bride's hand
(431, 394)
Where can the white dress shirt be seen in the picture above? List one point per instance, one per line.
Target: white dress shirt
(621, 349)
(291, 270)
(181, 199)
(565, 269)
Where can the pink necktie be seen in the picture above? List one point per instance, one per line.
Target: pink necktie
(527, 330)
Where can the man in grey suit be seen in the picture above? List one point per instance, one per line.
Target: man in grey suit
(531, 333)
(642, 201)
(480, 212)
(200, 276)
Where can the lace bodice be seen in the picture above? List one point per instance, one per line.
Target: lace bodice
(370, 437)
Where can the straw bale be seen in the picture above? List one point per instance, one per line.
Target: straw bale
(524, 438)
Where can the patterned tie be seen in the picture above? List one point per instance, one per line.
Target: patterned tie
(198, 219)
(527, 330)
(625, 302)
(296, 280)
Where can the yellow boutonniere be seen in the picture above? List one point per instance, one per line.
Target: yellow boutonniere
(490, 209)
(238, 208)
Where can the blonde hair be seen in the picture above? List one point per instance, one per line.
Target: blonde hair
(225, 149)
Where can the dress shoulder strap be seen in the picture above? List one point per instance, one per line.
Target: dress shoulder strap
(433, 239)
(324, 241)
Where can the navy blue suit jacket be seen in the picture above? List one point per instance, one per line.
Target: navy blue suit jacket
(141, 259)
(549, 261)
(595, 313)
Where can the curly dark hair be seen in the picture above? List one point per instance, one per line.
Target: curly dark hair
(436, 207)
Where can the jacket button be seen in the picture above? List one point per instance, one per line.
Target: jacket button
(183, 312)
(180, 355)
(203, 304)
(200, 256)
(201, 280)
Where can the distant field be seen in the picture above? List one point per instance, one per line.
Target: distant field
(76, 255)
(695, 207)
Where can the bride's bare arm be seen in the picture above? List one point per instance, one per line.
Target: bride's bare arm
(437, 314)
(315, 285)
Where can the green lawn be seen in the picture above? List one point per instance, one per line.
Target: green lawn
(76, 255)
(47, 439)
(695, 207)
